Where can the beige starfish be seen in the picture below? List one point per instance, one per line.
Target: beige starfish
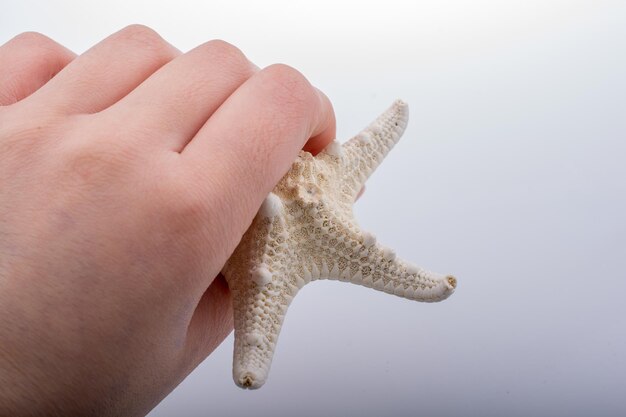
(305, 230)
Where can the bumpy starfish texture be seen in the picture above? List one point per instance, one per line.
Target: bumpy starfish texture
(304, 231)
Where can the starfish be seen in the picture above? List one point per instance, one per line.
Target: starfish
(304, 231)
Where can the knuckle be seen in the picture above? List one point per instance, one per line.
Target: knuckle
(289, 89)
(31, 39)
(41, 50)
(227, 55)
(39, 54)
(144, 38)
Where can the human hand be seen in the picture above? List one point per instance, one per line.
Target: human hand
(126, 181)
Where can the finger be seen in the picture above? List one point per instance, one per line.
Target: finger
(211, 322)
(28, 61)
(177, 100)
(108, 71)
(251, 141)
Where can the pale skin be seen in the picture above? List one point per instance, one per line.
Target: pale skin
(128, 175)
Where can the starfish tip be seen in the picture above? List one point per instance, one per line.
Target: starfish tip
(248, 380)
(451, 282)
(401, 104)
(403, 109)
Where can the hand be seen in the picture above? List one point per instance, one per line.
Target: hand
(127, 177)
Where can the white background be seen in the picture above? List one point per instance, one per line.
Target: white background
(511, 176)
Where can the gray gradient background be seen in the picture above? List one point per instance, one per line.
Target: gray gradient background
(511, 175)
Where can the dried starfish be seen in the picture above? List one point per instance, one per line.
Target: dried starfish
(305, 230)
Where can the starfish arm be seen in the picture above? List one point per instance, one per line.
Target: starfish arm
(363, 153)
(259, 311)
(263, 281)
(361, 260)
(385, 272)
